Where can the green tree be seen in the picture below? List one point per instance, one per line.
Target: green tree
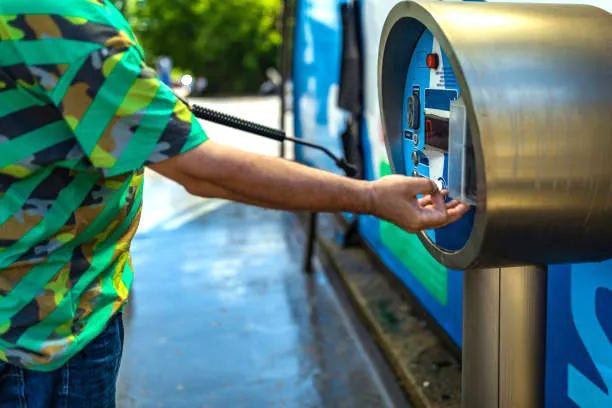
(230, 42)
(127, 7)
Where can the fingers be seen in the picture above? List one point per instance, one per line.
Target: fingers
(456, 212)
(432, 217)
(438, 202)
(435, 199)
(430, 221)
(427, 200)
(452, 204)
(449, 205)
(431, 210)
(423, 185)
(452, 215)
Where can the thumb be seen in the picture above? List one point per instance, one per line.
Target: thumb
(429, 187)
(423, 185)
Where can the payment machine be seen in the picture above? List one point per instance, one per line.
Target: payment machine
(509, 107)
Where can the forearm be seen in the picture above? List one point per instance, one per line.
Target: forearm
(269, 181)
(205, 189)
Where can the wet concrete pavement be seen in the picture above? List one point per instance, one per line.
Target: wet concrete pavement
(222, 316)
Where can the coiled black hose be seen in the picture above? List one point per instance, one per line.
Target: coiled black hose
(231, 121)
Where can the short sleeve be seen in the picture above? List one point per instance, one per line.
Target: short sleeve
(122, 115)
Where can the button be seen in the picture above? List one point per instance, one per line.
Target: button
(432, 61)
(415, 158)
(439, 184)
(415, 173)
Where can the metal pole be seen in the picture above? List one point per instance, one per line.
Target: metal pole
(311, 239)
(504, 335)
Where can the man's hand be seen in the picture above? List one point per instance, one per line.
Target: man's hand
(395, 200)
(214, 170)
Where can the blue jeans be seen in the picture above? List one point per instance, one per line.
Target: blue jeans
(88, 380)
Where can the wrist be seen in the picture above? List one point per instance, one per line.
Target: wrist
(368, 198)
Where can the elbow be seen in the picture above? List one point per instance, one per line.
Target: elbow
(194, 189)
(191, 184)
(189, 187)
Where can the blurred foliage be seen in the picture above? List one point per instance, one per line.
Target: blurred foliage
(127, 7)
(229, 42)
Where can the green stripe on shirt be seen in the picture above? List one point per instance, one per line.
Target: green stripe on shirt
(81, 9)
(37, 140)
(145, 139)
(18, 193)
(44, 52)
(197, 136)
(14, 100)
(104, 107)
(67, 79)
(68, 201)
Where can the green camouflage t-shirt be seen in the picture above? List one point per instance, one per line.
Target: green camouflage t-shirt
(80, 116)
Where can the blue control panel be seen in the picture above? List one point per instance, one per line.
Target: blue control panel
(431, 87)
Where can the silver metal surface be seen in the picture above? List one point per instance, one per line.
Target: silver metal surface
(522, 337)
(480, 346)
(537, 83)
(504, 334)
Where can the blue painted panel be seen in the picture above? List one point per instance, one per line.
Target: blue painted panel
(579, 335)
(316, 73)
(441, 98)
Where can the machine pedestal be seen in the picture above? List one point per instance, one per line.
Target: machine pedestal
(504, 334)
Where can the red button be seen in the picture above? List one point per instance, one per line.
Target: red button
(432, 61)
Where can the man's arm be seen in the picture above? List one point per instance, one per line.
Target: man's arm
(205, 189)
(214, 170)
(141, 123)
(276, 182)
